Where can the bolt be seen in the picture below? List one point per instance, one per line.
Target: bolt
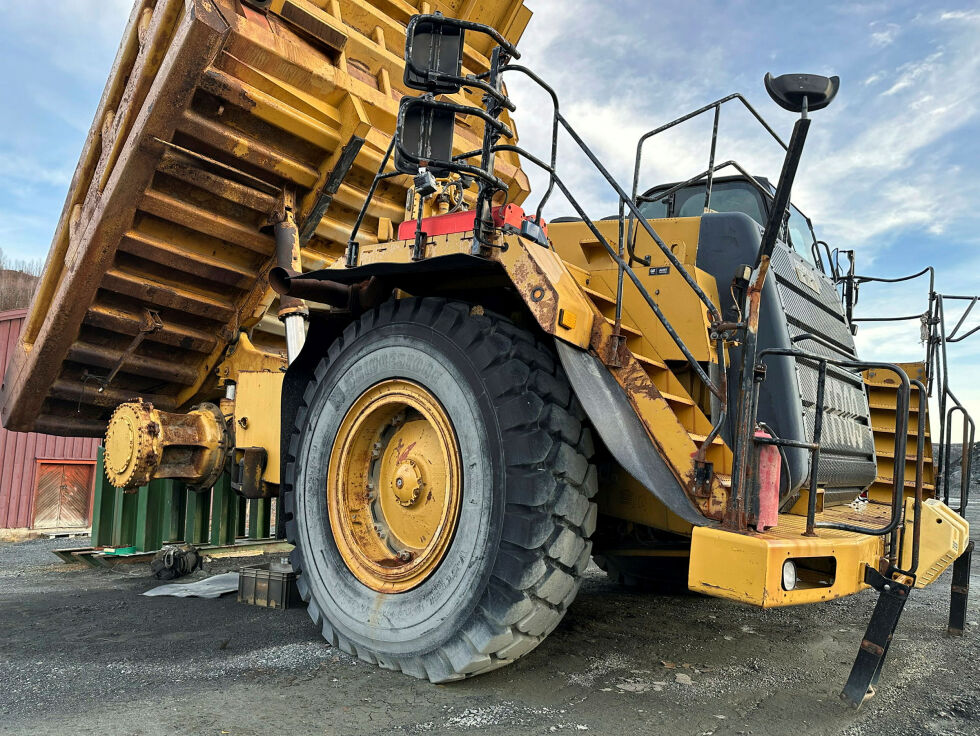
(376, 450)
(405, 556)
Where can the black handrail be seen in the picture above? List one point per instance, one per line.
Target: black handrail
(920, 444)
(484, 173)
(559, 120)
(710, 172)
(901, 436)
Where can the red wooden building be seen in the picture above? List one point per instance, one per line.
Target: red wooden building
(46, 482)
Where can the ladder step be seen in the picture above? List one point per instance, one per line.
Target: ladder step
(912, 431)
(908, 458)
(889, 407)
(578, 272)
(886, 481)
(675, 399)
(700, 438)
(598, 296)
(625, 328)
(652, 362)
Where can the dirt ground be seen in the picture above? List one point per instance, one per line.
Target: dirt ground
(82, 652)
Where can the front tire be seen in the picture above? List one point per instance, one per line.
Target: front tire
(513, 528)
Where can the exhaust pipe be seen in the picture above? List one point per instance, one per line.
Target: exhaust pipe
(355, 298)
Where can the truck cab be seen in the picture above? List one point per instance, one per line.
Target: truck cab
(801, 307)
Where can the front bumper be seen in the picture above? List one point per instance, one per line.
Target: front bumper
(749, 567)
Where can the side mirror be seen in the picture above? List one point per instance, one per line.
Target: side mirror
(789, 90)
(424, 135)
(433, 48)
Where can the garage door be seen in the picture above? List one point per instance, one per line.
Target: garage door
(63, 495)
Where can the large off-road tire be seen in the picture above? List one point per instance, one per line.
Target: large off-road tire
(491, 588)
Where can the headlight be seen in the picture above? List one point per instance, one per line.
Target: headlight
(789, 575)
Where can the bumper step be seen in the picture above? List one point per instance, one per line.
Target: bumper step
(874, 647)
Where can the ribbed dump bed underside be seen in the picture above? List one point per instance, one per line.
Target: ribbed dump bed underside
(211, 111)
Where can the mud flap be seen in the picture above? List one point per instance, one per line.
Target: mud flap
(614, 418)
(874, 647)
(959, 592)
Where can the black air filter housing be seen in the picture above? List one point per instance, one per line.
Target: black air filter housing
(797, 298)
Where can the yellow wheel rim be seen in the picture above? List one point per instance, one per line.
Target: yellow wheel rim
(394, 486)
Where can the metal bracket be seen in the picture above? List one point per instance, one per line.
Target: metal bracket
(704, 471)
(151, 323)
(330, 187)
(959, 591)
(874, 646)
(246, 473)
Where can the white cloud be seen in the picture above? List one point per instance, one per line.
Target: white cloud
(26, 170)
(959, 15)
(885, 34)
(914, 71)
(878, 164)
(73, 34)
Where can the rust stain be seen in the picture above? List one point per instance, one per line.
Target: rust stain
(210, 88)
(528, 278)
(403, 454)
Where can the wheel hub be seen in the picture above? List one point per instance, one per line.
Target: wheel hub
(408, 483)
(394, 486)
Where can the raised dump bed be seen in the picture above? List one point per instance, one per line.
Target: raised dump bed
(213, 109)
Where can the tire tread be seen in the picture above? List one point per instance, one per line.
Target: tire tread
(548, 517)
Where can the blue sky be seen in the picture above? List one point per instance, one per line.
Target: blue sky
(891, 168)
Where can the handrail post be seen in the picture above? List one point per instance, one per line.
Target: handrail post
(811, 501)
(711, 159)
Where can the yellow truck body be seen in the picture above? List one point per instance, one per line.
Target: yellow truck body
(212, 108)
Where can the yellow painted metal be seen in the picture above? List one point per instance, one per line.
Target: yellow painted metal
(394, 486)
(242, 356)
(575, 243)
(622, 497)
(212, 109)
(551, 285)
(749, 567)
(538, 274)
(801, 506)
(258, 402)
(142, 443)
(882, 387)
(945, 535)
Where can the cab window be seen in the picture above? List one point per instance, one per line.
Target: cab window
(800, 235)
(654, 210)
(726, 196)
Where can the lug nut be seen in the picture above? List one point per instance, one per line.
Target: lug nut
(405, 556)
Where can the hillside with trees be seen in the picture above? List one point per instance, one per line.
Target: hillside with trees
(18, 281)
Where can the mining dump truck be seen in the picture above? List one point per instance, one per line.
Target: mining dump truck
(294, 253)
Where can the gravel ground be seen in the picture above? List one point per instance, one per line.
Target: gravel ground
(82, 653)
